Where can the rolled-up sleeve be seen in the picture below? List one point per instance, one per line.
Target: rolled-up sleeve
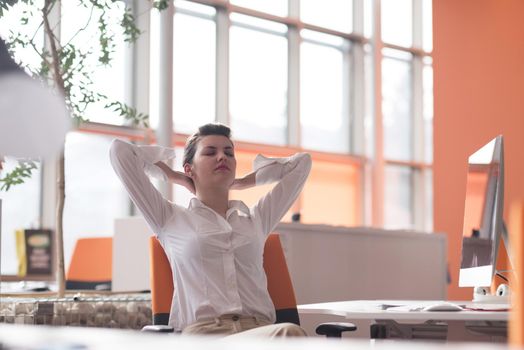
(132, 164)
(291, 174)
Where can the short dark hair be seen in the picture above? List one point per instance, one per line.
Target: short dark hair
(204, 130)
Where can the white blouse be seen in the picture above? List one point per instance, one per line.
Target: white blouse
(217, 263)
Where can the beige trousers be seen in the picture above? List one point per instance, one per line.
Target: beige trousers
(240, 326)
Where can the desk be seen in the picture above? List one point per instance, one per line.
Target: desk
(458, 324)
(26, 337)
(131, 311)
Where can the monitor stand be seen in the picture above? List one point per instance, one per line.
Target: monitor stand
(505, 238)
(490, 299)
(482, 294)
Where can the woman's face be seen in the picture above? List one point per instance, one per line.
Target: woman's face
(214, 163)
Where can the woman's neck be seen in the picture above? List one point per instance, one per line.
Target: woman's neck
(216, 199)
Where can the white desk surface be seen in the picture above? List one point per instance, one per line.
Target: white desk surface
(74, 338)
(372, 310)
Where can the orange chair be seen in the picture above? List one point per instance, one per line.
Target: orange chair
(161, 280)
(91, 264)
(278, 280)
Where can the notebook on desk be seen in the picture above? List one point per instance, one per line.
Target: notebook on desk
(445, 306)
(487, 307)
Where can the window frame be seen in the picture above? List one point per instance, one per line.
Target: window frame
(418, 166)
(367, 154)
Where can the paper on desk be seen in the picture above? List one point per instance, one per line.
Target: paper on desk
(487, 307)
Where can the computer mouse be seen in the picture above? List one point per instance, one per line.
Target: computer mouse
(444, 306)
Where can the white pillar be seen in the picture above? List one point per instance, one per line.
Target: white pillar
(165, 96)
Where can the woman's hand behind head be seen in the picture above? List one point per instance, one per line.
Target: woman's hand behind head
(247, 181)
(177, 177)
(188, 183)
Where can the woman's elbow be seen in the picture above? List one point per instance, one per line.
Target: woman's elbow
(119, 150)
(118, 146)
(307, 161)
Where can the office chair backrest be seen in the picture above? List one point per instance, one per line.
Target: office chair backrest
(279, 282)
(161, 278)
(91, 264)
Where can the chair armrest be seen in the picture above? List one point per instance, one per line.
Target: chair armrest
(158, 329)
(335, 329)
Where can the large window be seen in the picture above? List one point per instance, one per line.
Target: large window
(306, 79)
(333, 14)
(258, 81)
(397, 106)
(324, 90)
(194, 67)
(342, 79)
(278, 82)
(407, 113)
(94, 196)
(109, 81)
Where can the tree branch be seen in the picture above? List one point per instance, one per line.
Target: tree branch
(83, 28)
(59, 81)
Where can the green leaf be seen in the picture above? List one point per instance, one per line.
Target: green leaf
(23, 171)
(161, 4)
(131, 32)
(130, 114)
(5, 5)
(77, 59)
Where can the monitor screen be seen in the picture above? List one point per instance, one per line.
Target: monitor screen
(482, 215)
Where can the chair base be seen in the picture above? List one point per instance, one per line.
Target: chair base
(335, 329)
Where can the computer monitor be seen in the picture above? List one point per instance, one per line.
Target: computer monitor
(483, 223)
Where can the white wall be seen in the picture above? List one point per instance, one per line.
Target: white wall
(337, 263)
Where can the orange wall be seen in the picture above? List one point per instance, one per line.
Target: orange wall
(479, 93)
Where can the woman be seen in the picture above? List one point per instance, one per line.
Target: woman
(215, 246)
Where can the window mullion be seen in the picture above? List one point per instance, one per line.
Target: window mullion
(418, 29)
(418, 110)
(377, 217)
(358, 17)
(165, 89)
(356, 104)
(294, 9)
(349, 91)
(294, 41)
(293, 94)
(293, 130)
(419, 193)
(418, 199)
(140, 60)
(357, 99)
(222, 66)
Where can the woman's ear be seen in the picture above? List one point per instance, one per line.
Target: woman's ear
(188, 169)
